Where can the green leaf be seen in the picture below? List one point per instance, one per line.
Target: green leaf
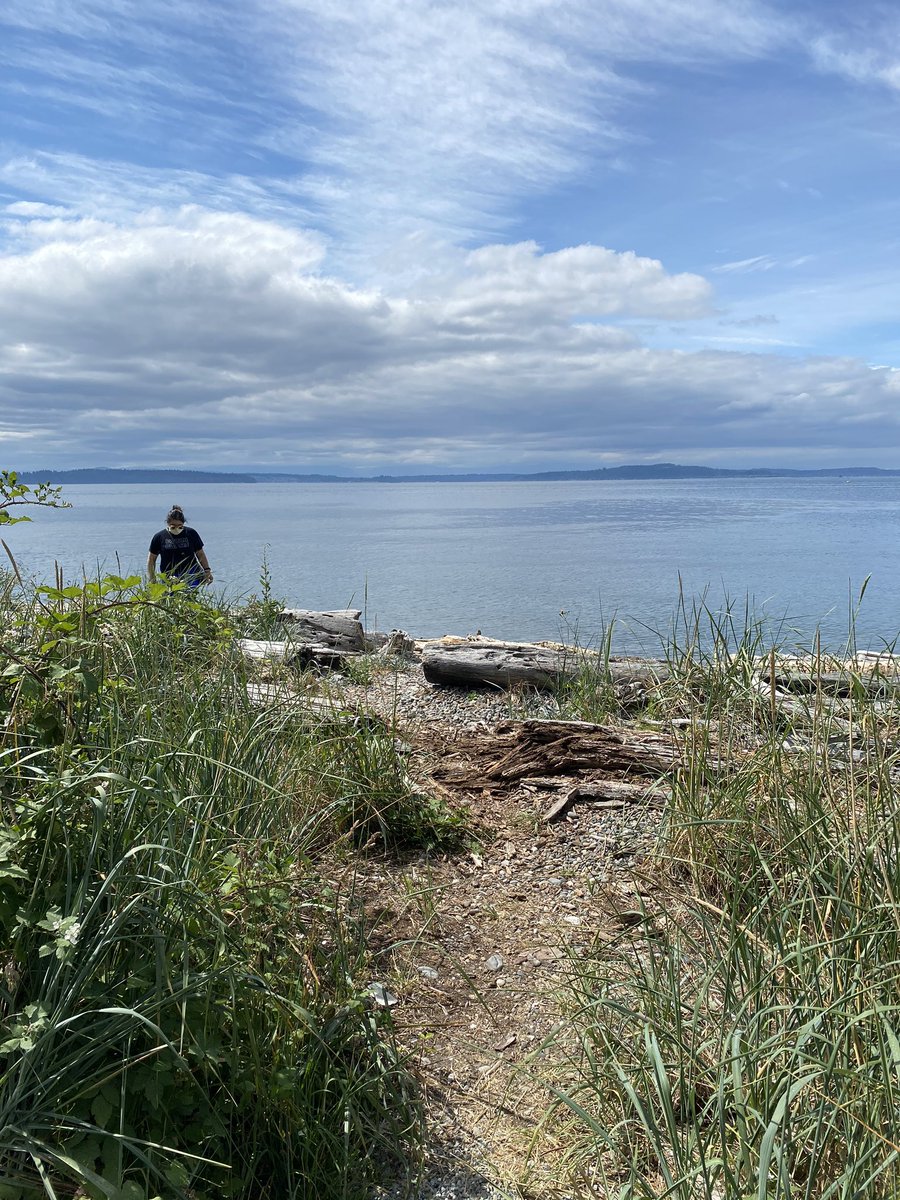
(101, 1111)
(176, 1174)
(132, 1190)
(90, 682)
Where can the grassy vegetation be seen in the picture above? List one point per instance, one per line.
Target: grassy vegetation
(183, 1005)
(743, 1039)
(184, 1011)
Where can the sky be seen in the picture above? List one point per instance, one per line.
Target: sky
(412, 236)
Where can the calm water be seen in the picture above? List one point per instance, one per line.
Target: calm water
(509, 558)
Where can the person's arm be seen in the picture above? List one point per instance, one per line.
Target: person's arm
(151, 566)
(204, 563)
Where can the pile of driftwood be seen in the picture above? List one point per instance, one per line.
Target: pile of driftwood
(559, 763)
(329, 639)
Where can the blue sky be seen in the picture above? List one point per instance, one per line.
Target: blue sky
(420, 236)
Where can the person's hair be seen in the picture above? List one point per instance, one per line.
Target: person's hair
(175, 513)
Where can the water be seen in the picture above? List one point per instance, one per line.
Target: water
(510, 558)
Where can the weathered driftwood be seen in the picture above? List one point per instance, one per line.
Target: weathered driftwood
(322, 639)
(604, 793)
(339, 630)
(556, 764)
(294, 654)
(549, 748)
(480, 662)
(257, 648)
(281, 695)
(788, 707)
(319, 710)
(835, 683)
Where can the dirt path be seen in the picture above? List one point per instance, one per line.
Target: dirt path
(473, 948)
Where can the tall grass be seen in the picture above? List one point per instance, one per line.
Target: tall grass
(743, 1040)
(182, 1000)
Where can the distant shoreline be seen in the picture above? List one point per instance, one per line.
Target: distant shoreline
(652, 471)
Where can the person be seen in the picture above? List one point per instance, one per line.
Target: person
(180, 552)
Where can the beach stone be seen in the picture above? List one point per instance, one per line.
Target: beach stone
(382, 997)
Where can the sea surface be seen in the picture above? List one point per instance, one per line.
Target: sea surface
(519, 560)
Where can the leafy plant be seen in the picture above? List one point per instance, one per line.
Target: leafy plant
(373, 792)
(14, 493)
(260, 615)
(182, 1009)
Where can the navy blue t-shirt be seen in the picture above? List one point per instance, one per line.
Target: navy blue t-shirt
(177, 551)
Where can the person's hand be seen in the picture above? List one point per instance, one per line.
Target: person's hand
(207, 576)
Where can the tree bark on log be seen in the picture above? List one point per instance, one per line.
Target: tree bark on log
(483, 663)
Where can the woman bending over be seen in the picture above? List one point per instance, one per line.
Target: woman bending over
(180, 552)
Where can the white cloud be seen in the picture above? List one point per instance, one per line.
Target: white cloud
(26, 208)
(504, 283)
(405, 122)
(121, 190)
(760, 262)
(201, 336)
(436, 116)
(873, 59)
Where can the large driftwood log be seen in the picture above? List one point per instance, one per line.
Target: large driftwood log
(322, 639)
(339, 629)
(295, 654)
(480, 662)
(565, 762)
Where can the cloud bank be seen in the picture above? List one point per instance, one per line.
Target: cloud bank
(198, 337)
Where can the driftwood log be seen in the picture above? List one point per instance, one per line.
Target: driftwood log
(471, 662)
(322, 639)
(318, 710)
(557, 764)
(339, 629)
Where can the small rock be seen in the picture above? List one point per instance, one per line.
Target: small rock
(428, 972)
(494, 963)
(382, 997)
